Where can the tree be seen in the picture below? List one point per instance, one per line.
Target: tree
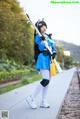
(16, 35)
(65, 61)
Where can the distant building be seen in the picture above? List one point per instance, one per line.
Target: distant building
(67, 53)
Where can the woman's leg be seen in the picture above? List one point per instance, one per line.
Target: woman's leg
(31, 99)
(46, 76)
(40, 87)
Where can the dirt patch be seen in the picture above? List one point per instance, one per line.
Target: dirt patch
(71, 106)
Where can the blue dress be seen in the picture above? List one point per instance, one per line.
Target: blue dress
(43, 62)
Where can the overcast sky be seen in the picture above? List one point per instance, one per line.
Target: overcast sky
(62, 20)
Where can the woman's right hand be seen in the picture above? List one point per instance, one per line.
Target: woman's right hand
(42, 38)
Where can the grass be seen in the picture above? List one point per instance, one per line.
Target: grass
(23, 81)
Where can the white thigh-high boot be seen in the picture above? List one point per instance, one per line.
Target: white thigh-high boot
(31, 99)
(44, 98)
(45, 75)
(37, 91)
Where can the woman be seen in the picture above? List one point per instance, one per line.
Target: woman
(42, 64)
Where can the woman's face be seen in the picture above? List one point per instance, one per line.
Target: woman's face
(43, 29)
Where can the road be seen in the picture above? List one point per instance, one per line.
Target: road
(15, 100)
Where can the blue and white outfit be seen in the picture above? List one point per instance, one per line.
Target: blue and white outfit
(42, 65)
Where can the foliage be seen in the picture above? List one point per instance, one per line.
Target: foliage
(16, 35)
(61, 58)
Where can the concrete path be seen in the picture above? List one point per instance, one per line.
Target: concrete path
(15, 100)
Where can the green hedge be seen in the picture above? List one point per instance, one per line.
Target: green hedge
(12, 75)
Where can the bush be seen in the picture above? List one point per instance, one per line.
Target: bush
(4, 76)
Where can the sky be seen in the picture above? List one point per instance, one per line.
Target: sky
(63, 21)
